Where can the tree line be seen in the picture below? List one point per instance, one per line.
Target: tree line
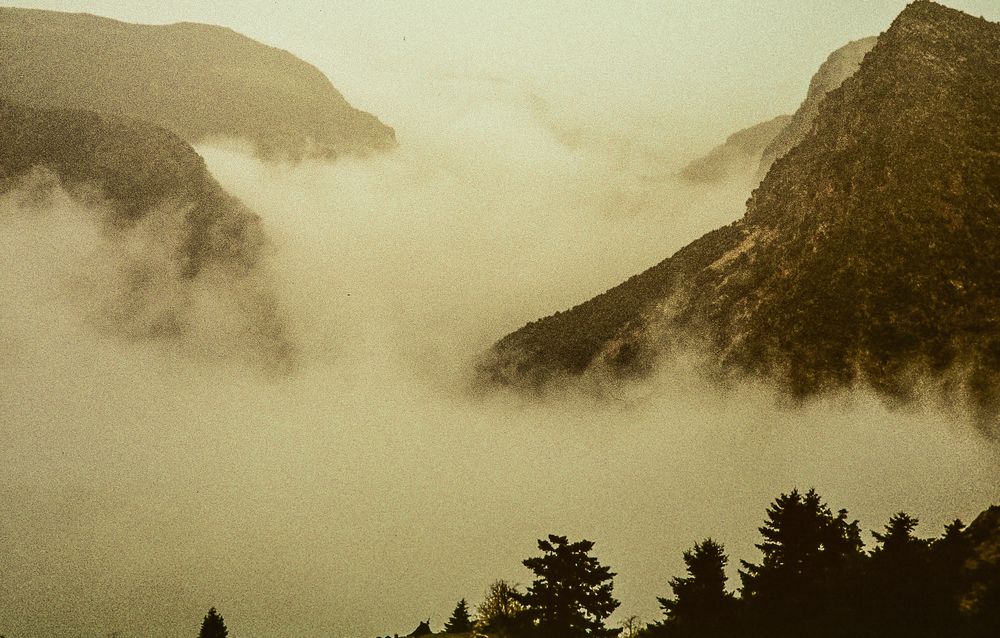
(815, 578)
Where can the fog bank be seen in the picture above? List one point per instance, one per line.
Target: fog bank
(364, 491)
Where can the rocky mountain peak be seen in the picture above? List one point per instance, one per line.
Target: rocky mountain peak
(867, 255)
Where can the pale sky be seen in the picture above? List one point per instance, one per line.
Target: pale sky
(733, 62)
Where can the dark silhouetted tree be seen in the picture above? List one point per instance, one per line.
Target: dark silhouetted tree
(213, 626)
(571, 596)
(948, 573)
(948, 557)
(906, 600)
(700, 606)
(811, 561)
(460, 621)
(897, 542)
(501, 612)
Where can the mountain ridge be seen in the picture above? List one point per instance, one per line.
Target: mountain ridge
(838, 66)
(740, 153)
(754, 149)
(199, 81)
(805, 288)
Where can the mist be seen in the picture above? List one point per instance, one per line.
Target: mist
(146, 479)
(365, 490)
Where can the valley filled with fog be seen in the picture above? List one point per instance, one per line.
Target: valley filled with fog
(366, 488)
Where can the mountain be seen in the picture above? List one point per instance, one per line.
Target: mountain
(753, 150)
(172, 233)
(197, 80)
(738, 156)
(867, 255)
(842, 64)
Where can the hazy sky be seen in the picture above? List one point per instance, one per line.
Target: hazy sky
(365, 492)
(713, 61)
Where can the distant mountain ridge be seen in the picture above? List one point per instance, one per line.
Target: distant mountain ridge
(760, 145)
(134, 168)
(868, 254)
(840, 65)
(739, 155)
(197, 80)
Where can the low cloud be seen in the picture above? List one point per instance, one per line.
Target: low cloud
(365, 490)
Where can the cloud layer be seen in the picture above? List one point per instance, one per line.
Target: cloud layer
(366, 490)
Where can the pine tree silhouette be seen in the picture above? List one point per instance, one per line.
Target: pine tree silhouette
(701, 606)
(213, 626)
(906, 600)
(810, 560)
(571, 595)
(460, 621)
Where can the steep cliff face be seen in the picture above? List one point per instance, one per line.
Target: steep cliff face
(151, 194)
(738, 156)
(868, 254)
(196, 80)
(842, 64)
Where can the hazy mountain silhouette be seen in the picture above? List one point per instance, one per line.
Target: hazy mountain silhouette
(197, 80)
(868, 254)
(842, 64)
(753, 150)
(148, 187)
(739, 155)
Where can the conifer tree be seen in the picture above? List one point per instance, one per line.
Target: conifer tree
(571, 596)
(906, 600)
(949, 555)
(460, 621)
(810, 559)
(213, 626)
(700, 606)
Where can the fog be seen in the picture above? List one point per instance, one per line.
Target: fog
(145, 480)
